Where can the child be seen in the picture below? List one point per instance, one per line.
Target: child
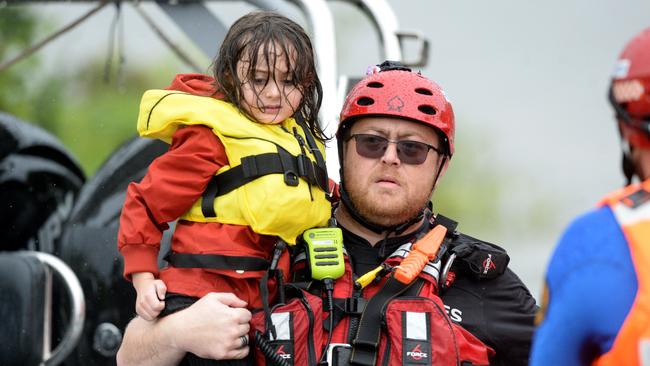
(241, 172)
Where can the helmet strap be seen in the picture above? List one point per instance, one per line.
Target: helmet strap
(442, 164)
(627, 164)
(629, 169)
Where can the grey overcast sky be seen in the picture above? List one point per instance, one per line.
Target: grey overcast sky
(527, 79)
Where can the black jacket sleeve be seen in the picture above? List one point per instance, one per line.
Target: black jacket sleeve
(499, 311)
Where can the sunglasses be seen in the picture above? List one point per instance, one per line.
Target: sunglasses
(409, 152)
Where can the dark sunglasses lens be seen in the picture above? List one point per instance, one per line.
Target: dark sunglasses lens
(374, 147)
(369, 146)
(412, 152)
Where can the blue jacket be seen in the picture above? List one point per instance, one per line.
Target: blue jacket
(591, 285)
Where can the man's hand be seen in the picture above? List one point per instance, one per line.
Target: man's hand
(151, 295)
(211, 328)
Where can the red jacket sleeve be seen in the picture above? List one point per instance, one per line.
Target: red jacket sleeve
(174, 181)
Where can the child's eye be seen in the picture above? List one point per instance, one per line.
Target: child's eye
(289, 82)
(259, 81)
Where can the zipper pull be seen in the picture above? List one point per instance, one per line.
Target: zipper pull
(300, 139)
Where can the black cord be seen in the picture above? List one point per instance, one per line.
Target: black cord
(268, 350)
(329, 289)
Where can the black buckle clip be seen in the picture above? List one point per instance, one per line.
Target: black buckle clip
(306, 169)
(290, 178)
(288, 166)
(355, 305)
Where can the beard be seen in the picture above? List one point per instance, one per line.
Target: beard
(378, 208)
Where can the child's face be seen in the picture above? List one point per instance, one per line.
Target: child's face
(270, 94)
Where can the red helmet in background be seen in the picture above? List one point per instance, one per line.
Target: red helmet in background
(630, 91)
(393, 90)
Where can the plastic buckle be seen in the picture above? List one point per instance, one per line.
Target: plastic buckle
(355, 305)
(330, 350)
(306, 169)
(288, 166)
(291, 178)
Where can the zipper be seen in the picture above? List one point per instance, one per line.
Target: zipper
(303, 145)
(301, 140)
(442, 311)
(354, 319)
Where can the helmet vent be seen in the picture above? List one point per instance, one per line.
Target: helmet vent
(365, 101)
(423, 91)
(427, 109)
(375, 84)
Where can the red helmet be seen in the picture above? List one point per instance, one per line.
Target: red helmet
(630, 90)
(393, 90)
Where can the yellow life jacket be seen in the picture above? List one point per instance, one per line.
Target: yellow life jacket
(631, 206)
(273, 183)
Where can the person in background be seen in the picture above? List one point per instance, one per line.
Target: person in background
(597, 308)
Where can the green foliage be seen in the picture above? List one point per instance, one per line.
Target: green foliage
(471, 190)
(90, 115)
(487, 197)
(17, 27)
(94, 116)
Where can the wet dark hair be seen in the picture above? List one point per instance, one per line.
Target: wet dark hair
(265, 30)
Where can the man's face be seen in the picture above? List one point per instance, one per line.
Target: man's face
(269, 92)
(385, 190)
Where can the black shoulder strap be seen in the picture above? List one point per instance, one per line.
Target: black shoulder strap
(450, 224)
(311, 142)
(321, 167)
(366, 343)
(636, 198)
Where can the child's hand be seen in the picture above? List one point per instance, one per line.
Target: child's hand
(151, 295)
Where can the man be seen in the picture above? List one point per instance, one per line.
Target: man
(395, 141)
(597, 299)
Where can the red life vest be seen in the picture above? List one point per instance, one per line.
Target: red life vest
(416, 329)
(631, 207)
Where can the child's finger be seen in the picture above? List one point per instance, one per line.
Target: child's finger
(161, 290)
(157, 307)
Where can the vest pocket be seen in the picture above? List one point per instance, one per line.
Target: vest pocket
(419, 333)
(298, 328)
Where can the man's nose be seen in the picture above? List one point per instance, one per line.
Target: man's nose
(390, 155)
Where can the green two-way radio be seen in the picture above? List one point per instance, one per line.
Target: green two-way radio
(324, 247)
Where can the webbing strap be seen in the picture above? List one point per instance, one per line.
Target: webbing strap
(356, 305)
(256, 166)
(320, 161)
(448, 223)
(264, 295)
(217, 261)
(366, 343)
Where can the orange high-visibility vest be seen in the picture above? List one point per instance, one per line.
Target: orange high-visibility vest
(631, 207)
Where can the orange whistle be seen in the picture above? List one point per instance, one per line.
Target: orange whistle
(423, 251)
